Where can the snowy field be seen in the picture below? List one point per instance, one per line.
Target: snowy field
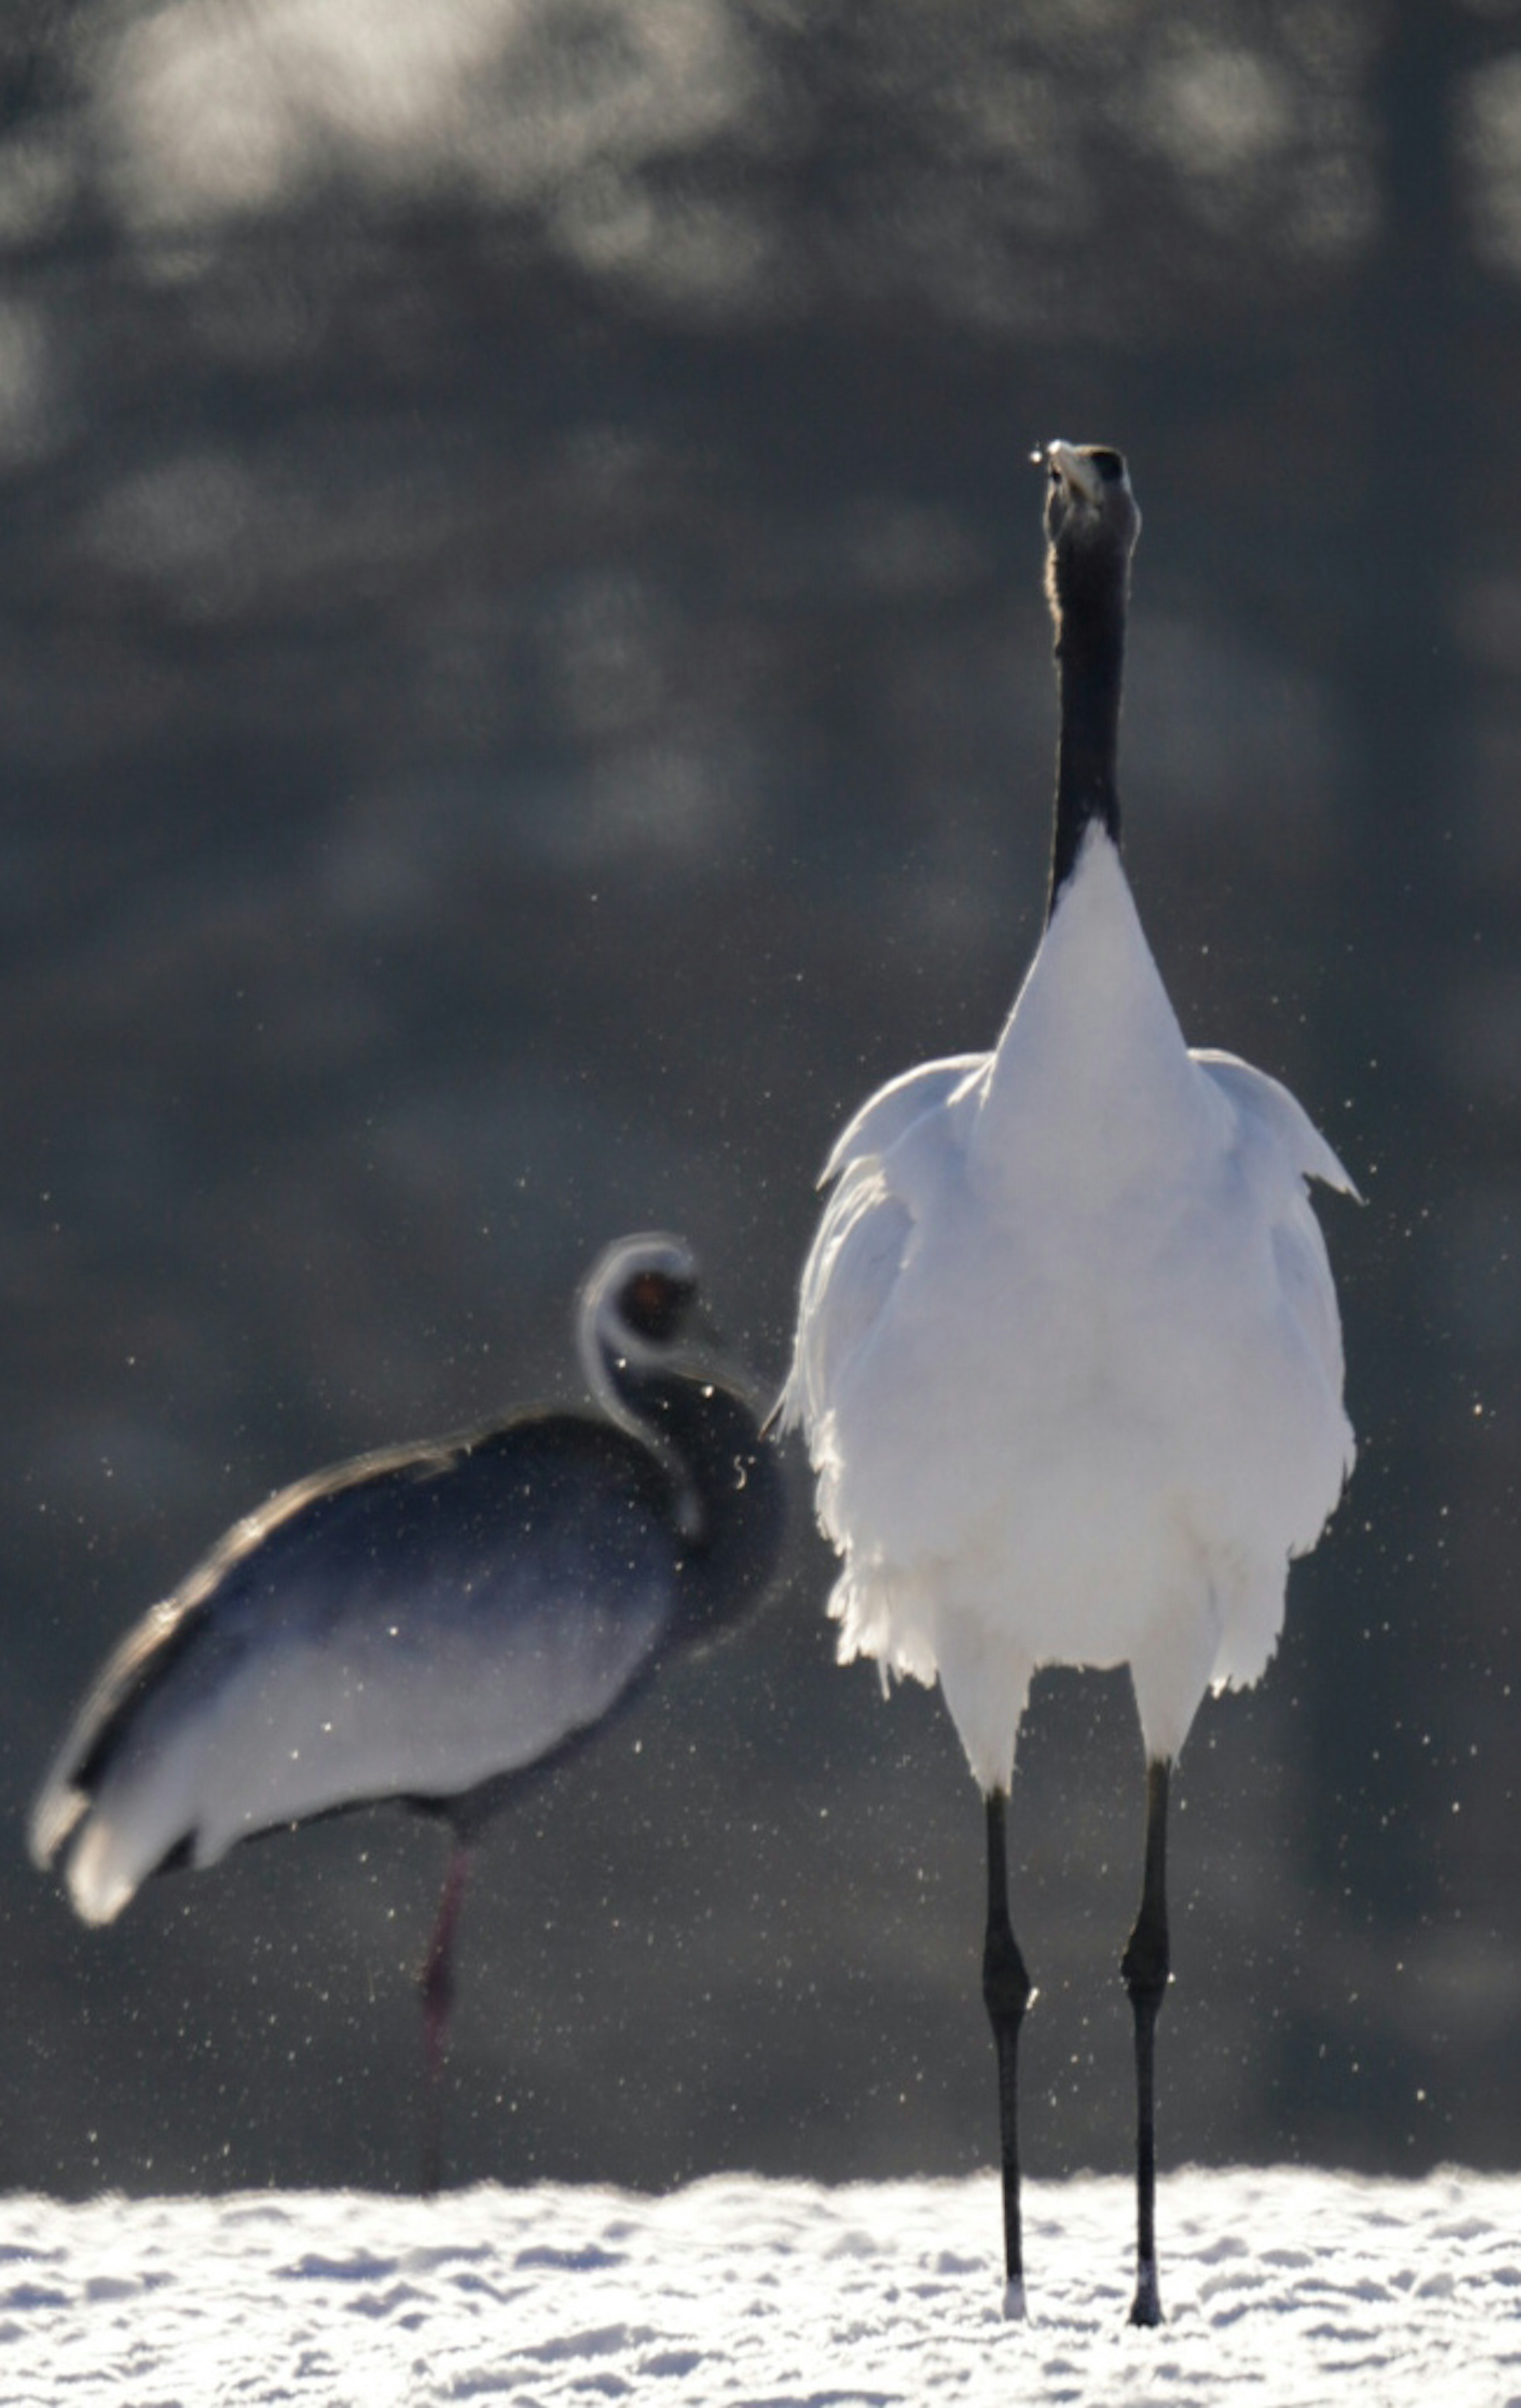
(1283, 2287)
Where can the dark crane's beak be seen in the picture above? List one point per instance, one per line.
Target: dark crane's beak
(703, 1354)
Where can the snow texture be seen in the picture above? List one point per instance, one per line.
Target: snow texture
(1288, 2289)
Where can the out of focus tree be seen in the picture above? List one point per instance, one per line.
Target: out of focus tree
(524, 693)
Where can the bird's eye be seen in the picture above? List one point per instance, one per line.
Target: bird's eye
(653, 1304)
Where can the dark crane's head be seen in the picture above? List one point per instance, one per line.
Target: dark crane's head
(641, 1317)
(658, 1367)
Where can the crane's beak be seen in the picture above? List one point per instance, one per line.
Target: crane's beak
(702, 1352)
(1078, 475)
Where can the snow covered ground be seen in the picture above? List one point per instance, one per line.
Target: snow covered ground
(1283, 2287)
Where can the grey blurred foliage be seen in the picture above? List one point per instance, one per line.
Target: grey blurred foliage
(524, 693)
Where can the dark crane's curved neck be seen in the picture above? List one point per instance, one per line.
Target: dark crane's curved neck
(1090, 664)
(730, 1501)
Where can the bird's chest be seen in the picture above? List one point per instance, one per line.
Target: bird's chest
(1066, 1325)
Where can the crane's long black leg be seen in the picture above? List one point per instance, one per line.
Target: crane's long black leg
(1006, 1993)
(436, 1984)
(1146, 1966)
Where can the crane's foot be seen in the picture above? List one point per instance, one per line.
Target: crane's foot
(1007, 1992)
(1146, 2307)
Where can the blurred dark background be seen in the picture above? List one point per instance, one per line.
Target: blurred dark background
(523, 693)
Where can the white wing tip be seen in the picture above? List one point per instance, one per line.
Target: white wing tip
(786, 1415)
(54, 1817)
(1313, 1154)
(1332, 1172)
(99, 1887)
(97, 1877)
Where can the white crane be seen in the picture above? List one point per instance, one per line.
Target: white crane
(433, 1623)
(1068, 1358)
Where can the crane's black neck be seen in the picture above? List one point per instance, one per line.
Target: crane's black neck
(731, 1500)
(1089, 599)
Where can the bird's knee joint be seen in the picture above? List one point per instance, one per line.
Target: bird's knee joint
(1007, 1987)
(1146, 1970)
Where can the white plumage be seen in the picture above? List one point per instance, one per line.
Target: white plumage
(1068, 1356)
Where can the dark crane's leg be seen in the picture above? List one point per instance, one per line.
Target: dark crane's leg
(436, 1984)
(1146, 1968)
(1006, 1993)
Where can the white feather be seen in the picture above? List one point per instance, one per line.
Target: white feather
(884, 1116)
(1068, 1358)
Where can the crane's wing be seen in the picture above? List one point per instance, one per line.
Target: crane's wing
(850, 1273)
(863, 1236)
(1280, 1130)
(410, 1624)
(1267, 1102)
(883, 1118)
